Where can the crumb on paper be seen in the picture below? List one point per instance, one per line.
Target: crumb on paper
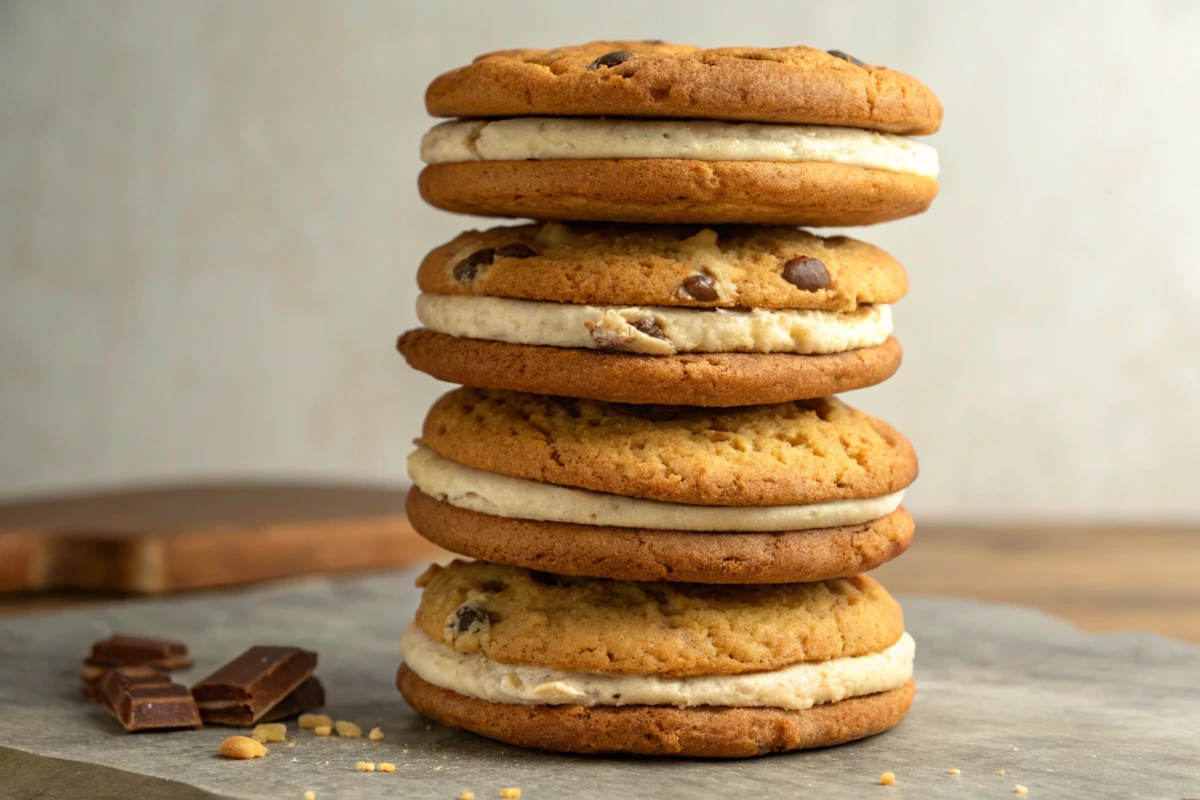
(439, 766)
(953, 772)
(310, 721)
(270, 732)
(510, 792)
(375, 735)
(1021, 789)
(347, 730)
(292, 743)
(467, 796)
(386, 767)
(887, 778)
(365, 766)
(241, 748)
(310, 795)
(1001, 772)
(322, 730)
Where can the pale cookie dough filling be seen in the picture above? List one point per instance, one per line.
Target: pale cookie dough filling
(655, 331)
(794, 687)
(518, 498)
(546, 138)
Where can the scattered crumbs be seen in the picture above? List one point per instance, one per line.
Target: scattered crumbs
(270, 732)
(310, 795)
(445, 757)
(1001, 772)
(386, 767)
(887, 778)
(365, 766)
(467, 796)
(310, 721)
(403, 751)
(511, 791)
(953, 772)
(347, 730)
(291, 743)
(322, 730)
(439, 766)
(1021, 789)
(375, 735)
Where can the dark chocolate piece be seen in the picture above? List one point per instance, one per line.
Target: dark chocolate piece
(806, 273)
(94, 675)
(122, 650)
(845, 57)
(514, 250)
(309, 695)
(466, 270)
(649, 327)
(702, 288)
(611, 59)
(153, 702)
(248, 687)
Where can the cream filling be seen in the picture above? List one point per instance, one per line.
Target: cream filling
(518, 498)
(794, 687)
(655, 331)
(544, 138)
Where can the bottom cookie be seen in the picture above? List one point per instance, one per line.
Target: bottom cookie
(638, 554)
(689, 379)
(706, 732)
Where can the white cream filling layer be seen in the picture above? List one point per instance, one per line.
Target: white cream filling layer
(794, 687)
(517, 498)
(658, 330)
(545, 138)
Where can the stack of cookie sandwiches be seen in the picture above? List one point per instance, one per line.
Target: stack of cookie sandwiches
(670, 513)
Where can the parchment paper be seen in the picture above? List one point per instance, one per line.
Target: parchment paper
(1064, 713)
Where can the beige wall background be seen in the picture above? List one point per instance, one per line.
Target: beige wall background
(209, 227)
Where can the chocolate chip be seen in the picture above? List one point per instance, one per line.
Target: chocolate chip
(544, 578)
(468, 268)
(806, 273)
(470, 618)
(649, 327)
(845, 57)
(702, 288)
(611, 59)
(492, 587)
(515, 250)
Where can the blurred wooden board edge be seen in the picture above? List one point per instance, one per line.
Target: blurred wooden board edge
(175, 539)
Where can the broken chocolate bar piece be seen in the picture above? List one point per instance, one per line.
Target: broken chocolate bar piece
(247, 688)
(308, 695)
(154, 702)
(93, 676)
(122, 650)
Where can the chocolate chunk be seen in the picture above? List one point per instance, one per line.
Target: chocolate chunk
(248, 687)
(702, 288)
(845, 57)
(470, 618)
(649, 327)
(544, 578)
(123, 650)
(466, 270)
(515, 250)
(806, 273)
(611, 59)
(308, 695)
(150, 702)
(94, 676)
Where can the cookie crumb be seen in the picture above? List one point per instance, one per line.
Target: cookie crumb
(375, 735)
(241, 747)
(953, 772)
(512, 791)
(270, 732)
(310, 795)
(1021, 789)
(365, 766)
(467, 796)
(322, 730)
(887, 778)
(1001, 772)
(386, 767)
(347, 730)
(310, 721)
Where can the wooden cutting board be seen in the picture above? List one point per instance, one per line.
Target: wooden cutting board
(178, 538)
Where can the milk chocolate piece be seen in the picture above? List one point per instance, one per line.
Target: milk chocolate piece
(309, 695)
(245, 689)
(150, 702)
(93, 676)
(120, 650)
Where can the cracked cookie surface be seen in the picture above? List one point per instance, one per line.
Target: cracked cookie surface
(668, 629)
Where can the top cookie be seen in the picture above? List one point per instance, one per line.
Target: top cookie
(688, 266)
(653, 79)
(516, 616)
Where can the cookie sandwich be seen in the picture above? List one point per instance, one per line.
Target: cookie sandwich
(781, 493)
(686, 315)
(653, 132)
(596, 666)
